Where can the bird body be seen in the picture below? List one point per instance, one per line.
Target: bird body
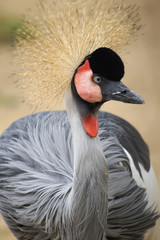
(40, 170)
(80, 174)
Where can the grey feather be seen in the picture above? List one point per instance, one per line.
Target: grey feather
(36, 177)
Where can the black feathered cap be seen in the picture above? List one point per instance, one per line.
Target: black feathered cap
(106, 63)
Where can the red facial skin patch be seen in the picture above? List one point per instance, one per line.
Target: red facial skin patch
(86, 88)
(90, 124)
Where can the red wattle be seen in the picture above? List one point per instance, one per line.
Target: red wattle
(90, 123)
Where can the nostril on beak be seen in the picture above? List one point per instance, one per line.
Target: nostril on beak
(124, 92)
(121, 92)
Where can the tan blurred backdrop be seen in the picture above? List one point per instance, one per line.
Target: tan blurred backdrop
(142, 61)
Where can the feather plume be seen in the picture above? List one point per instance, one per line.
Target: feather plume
(52, 46)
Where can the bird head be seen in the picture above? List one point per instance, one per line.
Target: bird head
(98, 79)
(63, 38)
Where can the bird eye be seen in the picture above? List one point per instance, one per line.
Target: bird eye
(97, 79)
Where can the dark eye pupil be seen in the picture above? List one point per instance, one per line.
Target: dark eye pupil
(96, 79)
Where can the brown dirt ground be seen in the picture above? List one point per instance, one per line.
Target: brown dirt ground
(142, 75)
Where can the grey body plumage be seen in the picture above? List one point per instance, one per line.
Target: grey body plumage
(36, 177)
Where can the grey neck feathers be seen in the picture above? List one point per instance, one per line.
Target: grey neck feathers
(88, 197)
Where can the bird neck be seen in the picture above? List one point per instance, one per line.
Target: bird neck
(89, 200)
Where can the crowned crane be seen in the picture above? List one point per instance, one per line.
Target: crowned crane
(79, 174)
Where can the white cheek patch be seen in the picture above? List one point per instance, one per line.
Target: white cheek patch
(86, 88)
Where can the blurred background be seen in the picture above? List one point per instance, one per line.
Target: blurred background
(142, 63)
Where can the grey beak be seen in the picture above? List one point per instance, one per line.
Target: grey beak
(116, 90)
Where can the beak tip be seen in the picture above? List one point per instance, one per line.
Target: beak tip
(140, 101)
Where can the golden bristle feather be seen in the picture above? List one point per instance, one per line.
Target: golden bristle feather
(53, 45)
